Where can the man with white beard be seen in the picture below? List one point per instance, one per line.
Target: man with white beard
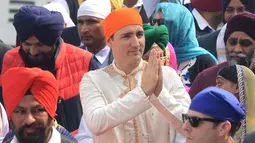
(240, 46)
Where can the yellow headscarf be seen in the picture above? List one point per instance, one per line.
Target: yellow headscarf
(246, 82)
(116, 4)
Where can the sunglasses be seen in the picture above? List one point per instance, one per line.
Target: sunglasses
(160, 21)
(195, 121)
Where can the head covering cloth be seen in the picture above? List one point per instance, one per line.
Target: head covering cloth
(46, 25)
(158, 35)
(16, 82)
(95, 8)
(124, 17)
(181, 29)
(246, 80)
(228, 107)
(243, 22)
(207, 5)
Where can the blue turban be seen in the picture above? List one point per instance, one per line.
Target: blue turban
(219, 104)
(46, 25)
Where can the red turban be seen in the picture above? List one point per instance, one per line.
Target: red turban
(207, 5)
(120, 18)
(243, 22)
(42, 84)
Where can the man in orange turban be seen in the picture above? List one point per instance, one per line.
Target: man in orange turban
(30, 97)
(125, 101)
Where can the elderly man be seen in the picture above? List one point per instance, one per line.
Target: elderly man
(240, 46)
(124, 102)
(207, 123)
(41, 46)
(90, 15)
(31, 105)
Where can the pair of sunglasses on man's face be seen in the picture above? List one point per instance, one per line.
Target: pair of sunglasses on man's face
(195, 121)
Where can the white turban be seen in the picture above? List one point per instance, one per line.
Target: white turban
(56, 6)
(95, 8)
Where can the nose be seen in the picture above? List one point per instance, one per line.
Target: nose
(84, 28)
(33, 50)
(135, 42)
(235, 13)
(238, 49)
(29, 119)
(186, 127)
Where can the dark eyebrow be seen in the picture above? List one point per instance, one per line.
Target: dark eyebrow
(233, 38)
(246, 40)
(19, 107)
(128, 33)
(140, 32)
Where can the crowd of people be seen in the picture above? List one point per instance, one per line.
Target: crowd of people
(130, 71)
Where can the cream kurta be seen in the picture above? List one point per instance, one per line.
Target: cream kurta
(116, 109)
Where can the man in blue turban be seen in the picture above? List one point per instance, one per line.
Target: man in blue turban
(214, 116)
(39, 31)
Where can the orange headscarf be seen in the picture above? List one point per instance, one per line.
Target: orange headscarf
(120, 18)
(42, 84)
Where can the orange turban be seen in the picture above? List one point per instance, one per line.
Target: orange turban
(120, 18)
(42, 84)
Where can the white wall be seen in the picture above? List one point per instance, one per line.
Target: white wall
(7, 11)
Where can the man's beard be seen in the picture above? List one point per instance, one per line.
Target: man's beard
(44, 61)
(243, 59)
(40, 135)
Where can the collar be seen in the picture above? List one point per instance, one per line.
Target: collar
(55, 137)
(137, 5)
(140, 67)
(60, 55)
(201, 22)
(103, 54)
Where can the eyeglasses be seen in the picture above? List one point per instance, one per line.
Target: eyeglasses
(160, 21)
(195, 121)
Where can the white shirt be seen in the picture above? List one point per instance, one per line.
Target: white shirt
(103, 54)
(202, 23)
(55, 137)
(84, 135)
(116, 109)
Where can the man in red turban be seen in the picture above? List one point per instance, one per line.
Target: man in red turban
(207, 15)
(30, 97)
(41, 46)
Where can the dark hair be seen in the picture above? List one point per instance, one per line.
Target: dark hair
(28, 92)
(229, 73)
(234, 127)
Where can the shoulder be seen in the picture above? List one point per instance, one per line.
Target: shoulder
(208, 37)
(11, 55)
(212, 70)
(75, 53)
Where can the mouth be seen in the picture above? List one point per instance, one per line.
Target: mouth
(86, 38)
(134, 52)
(30, 130)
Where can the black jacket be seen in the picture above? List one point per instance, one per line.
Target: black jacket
(209, 42)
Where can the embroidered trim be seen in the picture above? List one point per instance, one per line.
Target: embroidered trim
(240, 76)
(130, 83)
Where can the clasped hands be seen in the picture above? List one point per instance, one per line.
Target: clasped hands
(152, 79)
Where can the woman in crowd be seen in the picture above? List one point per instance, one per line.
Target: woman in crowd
(240, 80)
(191, 59)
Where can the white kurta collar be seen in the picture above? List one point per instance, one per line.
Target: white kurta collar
(202, 23)
(122, 73)
(103, 54)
